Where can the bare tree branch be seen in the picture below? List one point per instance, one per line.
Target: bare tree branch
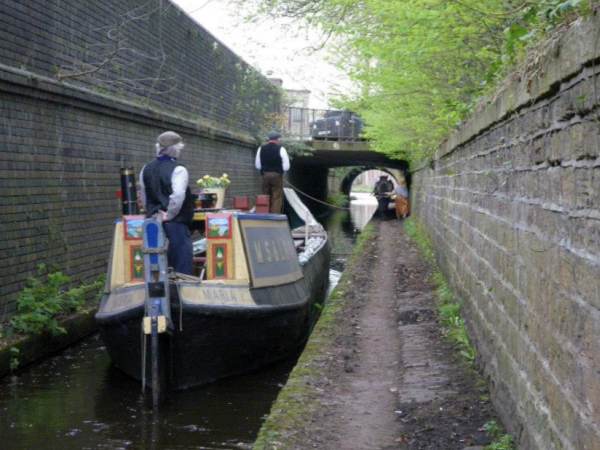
(120, 53)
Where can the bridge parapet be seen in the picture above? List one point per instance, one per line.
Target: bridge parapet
(345, 146)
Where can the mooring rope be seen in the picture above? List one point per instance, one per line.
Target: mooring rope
(316, 199)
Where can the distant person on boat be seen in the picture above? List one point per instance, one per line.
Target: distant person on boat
(382, 191)
(383, 185)
(272, 160)
(165, 194)
(402, 204)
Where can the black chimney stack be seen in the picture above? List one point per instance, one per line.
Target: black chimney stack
(128, 191)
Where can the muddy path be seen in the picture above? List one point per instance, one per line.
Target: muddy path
(389, 379)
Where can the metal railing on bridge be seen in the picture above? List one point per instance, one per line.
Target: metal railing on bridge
(320, 124)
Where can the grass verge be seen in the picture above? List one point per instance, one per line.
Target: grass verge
(449, 306)
(298, 400)
(449, 310)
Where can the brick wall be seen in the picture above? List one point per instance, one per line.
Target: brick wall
(62, 142)
(148, 52)
(512, 201)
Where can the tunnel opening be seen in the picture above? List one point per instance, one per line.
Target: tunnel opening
(363, 179)
(330, 170)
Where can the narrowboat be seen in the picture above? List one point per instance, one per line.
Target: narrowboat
(252, 301)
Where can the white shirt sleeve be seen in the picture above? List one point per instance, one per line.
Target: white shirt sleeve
(257, 160)
(142, 188)
(179, 184)
(285, 160)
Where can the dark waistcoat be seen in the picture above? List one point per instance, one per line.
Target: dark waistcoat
(270, 159)
(157, 181)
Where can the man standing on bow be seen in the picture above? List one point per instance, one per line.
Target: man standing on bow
(272, 160)
(165, 194)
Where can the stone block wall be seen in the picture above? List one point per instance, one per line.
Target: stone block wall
(62, 142)
(512, 202)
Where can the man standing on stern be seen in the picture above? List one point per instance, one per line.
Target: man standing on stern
(272, 160)
(165, 194)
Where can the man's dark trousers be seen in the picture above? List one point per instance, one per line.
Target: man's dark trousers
(180, 252)
(273, 186)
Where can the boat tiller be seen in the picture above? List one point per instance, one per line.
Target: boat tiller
(157, 311)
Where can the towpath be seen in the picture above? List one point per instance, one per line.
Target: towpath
(391, 380)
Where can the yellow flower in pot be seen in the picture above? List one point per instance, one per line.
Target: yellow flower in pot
(216, 185)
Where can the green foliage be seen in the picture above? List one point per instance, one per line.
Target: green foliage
(255, 102)
(532, 22)
(339, 200)
(449, 307)
(417, 234)
(45, 297)
(297, 148)
(421, 65)
(502, 441)
(492, 429)
(14, 358)
(505, 442)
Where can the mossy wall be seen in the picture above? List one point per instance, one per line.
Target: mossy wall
(512, 202)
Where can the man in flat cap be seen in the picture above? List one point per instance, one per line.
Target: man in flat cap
(165, 194)
(272, 160)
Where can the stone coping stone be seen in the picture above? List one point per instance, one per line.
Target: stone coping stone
(33, 348)
(23, 82)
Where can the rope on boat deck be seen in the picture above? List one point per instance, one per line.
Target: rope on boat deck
(315, 199)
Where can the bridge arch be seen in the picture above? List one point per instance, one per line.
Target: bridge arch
(348, 180)
(310, 171)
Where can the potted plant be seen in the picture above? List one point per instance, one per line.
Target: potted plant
(215, 185)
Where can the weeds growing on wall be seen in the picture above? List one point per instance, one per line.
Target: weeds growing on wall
(449, 306)
(501, 440)
(46, 297)
(449, 310)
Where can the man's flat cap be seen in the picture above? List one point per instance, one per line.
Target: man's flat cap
(168, 138)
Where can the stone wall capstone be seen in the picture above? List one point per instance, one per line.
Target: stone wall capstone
(63, 140)
(512, 203)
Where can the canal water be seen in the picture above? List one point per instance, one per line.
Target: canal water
(343, 226)
(77, 400)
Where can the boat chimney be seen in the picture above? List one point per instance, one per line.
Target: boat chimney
(128, 191)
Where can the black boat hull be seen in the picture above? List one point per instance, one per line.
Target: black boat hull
(209, 342)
